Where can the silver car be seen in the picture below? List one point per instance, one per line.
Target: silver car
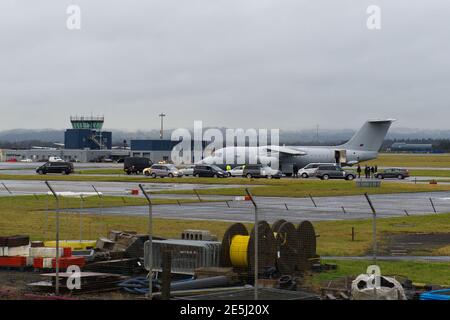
(163, 170)
(187, 170)
(236, 171)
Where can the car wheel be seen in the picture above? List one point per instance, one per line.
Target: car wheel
(305, 175)
(147, 173)
(400, 177)
(269, 177)
(325, 177)
(153, 175)
(228, 174)
(40, 172)
(170, 175)
(128, 172)
(197, 175)
(350, 177)
(249, 176)
(215, 175)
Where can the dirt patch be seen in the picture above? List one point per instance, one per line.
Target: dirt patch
(14, 286)
(413, 243)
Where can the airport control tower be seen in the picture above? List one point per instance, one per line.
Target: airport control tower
(87, 133)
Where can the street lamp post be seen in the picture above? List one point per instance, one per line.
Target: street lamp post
(161, 115)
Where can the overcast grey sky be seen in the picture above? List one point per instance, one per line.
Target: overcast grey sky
(236, 63)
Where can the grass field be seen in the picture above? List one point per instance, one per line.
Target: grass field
(418, 272)
(411, 160)
(100, 171)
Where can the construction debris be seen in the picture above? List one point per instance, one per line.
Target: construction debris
(364, 287)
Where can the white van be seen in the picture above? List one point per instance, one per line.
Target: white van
(55, 159)
(309, 170)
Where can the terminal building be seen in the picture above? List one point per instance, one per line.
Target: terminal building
(87, 142)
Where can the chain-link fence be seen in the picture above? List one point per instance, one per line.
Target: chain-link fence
(93, 241)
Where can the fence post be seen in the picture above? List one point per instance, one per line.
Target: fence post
(374, 227)
(150, 239)
(312, 199)
(4, 185)
(198, 196)
(81, 217)
(57, 238)
(432, 204)
(256, 243)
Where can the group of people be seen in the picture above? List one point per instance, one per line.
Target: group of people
(369, 172)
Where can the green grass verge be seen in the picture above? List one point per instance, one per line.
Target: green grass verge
(411, 160)
(418, 272)
(100, 171)
(335, 236)
(28, 215)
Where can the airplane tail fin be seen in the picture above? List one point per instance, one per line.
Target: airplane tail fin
(370, 137)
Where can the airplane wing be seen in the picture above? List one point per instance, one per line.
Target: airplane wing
(287, 150)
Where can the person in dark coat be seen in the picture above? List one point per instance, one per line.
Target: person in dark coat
(367, 172)
(295, 170)
(358, 170)
(372, 172)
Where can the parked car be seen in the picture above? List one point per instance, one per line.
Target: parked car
(260, 171)
(55, 167)
(392, 173)
(236, 171)
(327, 171)
(309, 170)
(136, 164)
(163, 170)
(202, 170)
(187, 170)
(55, 159)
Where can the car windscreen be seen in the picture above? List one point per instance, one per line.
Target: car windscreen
(216, 168)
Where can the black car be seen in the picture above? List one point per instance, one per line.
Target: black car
(260, 171)
(55, 167)
(136, 164)
(204, 170)
(326, 172)
(392, 173)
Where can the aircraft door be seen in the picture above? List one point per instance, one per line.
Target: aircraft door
(340, 156)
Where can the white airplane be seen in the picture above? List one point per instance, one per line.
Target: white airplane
(364, 145)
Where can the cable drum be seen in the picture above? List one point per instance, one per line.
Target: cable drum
(237, 229)
(288, 245)
(277, 224)
(238, 247)
(267, 249)
(307, 244)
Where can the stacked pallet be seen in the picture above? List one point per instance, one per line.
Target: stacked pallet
(14, 251)
(18, 252)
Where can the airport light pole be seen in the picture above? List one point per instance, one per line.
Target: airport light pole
(161, 115)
